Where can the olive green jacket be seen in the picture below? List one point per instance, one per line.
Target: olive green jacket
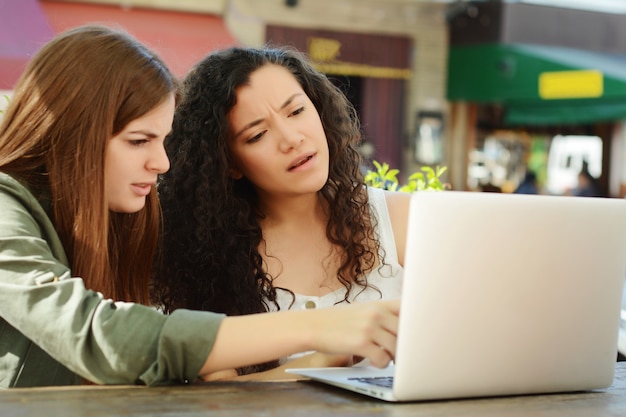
(54, 331)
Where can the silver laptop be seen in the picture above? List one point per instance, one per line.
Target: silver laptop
(503, 295)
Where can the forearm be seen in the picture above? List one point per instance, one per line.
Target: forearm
(364, 329)
(310, 360)
(251, 339)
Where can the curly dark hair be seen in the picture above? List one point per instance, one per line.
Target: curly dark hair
(210, 258)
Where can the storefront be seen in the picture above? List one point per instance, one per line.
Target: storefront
(523, 97)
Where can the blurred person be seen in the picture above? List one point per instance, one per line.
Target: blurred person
(587, 185)
(528, 184)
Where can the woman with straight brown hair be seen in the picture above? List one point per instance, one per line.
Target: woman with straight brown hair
(80, 91)
(81, 148)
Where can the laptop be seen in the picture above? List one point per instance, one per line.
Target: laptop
(503, 295)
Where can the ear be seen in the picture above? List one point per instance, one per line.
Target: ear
(235, 174)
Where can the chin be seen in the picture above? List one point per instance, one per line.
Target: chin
(322, 182)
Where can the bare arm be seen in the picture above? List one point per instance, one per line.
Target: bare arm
(366, 329)
(311, 360)
(398, 206)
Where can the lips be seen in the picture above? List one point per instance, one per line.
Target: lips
(142, 189)
(300, 161)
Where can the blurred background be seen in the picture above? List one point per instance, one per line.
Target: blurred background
(494, 90)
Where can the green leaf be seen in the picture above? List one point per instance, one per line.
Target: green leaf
(426, 179)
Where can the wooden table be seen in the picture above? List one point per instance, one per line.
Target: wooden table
(293, 399)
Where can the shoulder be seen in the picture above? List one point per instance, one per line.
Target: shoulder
(11, 186)
(398, 206)
(23, 218)
(392, 199)
(15, 198)
(397, 203)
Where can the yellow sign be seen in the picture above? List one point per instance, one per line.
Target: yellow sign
(362, 70)
(322, 49)
(571, 84)
(324, 52)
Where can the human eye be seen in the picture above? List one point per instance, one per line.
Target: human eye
(256, 137)
(138, 142)
(138, 138)
(297, 111)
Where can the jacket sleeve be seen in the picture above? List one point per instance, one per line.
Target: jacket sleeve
(101, 340)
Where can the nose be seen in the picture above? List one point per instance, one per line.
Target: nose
(288, 136)
(158, 160)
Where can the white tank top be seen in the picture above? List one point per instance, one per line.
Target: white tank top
(386, 278)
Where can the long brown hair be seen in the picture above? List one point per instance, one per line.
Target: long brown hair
(80, 90)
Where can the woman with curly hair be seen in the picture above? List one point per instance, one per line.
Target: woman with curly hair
(265, 206)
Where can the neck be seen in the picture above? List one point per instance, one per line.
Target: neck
(286, 210)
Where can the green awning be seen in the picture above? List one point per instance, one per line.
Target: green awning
(592, 85)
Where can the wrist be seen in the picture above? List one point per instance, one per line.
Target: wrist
(307, 328)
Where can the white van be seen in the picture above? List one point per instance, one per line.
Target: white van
(565, 160)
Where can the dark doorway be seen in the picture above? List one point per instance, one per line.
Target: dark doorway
(352, 87)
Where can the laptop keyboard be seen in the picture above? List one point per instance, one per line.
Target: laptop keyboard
(381, 381)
